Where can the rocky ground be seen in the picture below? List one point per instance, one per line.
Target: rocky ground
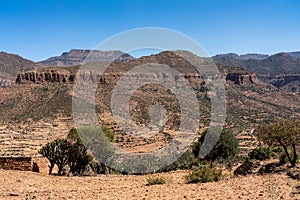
(16, 184)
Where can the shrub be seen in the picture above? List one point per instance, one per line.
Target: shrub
(78, 158)
(156, 181)
(98, 141)
(70, 151)
(108, 133)
(186, 161)
(101, 168)
(204, 174)
(226, 145)
(261, 153)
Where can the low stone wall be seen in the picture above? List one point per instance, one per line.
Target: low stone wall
(16, 163)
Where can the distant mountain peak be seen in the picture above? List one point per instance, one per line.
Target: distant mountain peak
(80, 56)
(254, 56)
(295, 54)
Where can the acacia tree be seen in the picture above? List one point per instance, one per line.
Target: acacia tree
(285, 133)
(225, 147)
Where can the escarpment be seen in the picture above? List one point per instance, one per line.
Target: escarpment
(64, 76)
(45, 75)
(242, 78)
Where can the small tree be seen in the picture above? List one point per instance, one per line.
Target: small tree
(226, 146)
(285, 133)
(78, 158)
(71, 151)
(98, 141)
(57, 154)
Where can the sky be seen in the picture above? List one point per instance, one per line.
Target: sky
(38, 29)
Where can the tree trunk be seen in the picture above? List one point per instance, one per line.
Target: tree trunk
(294, 155)
(51, 166)
(105, 168)
(211, 163)
(59, 170)
(286, 152)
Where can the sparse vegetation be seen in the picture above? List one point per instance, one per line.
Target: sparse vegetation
(260, 153)
(265, 152)
(204, 174)
(156, 181)
(29, 197)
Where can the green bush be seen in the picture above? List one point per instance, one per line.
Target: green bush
(204, 174)
(78, 158)
(278, 150)
(261, 153)
(226, 145)
(156, 181)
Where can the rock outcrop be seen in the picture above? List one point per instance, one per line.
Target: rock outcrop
(287, 82)
(119, 69)
(281, 70)
(6, 83)
(242, 79)
(51, 75)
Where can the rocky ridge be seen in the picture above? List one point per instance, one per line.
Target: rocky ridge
(280, 70)
(80, 56)
(11, 65)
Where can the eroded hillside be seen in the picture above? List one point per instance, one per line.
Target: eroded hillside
(39, 108)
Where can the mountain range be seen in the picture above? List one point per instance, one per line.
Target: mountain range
(39, 107)
(79, 56)
(281, 70)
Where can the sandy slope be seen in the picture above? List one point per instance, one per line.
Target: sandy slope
(15, 185)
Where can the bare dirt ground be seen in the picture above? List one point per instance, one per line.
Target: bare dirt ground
(15, 185)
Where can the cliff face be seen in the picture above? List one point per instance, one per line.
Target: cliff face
(63, 76)
(243, 79)
(53, 75)
(287, 82)
(118, 69)
(281, 70)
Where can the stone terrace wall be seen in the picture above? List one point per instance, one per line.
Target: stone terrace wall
(16, 163)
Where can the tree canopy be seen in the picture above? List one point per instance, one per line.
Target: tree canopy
(285, 133)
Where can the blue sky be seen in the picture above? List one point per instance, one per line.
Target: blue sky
(37, 29)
